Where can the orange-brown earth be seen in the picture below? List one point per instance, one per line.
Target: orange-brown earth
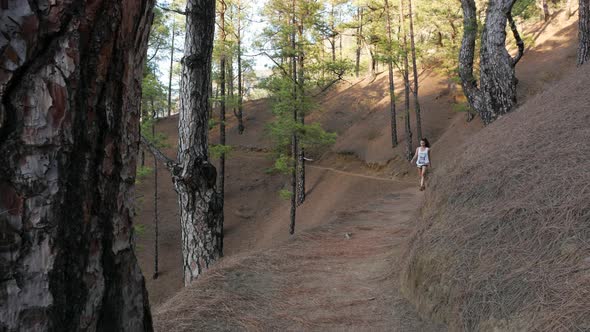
(361, 186)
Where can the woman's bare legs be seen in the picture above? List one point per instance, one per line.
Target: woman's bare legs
(422, 177)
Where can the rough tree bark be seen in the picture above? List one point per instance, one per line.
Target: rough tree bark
(417, 109)
(406, 77)
(496, 93)
(392, 114)
(584, 32)
(194, 177)
(171, 68)
(69, 108)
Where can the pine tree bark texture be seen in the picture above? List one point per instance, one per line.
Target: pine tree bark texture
(201, 208)
(70, 95)
(496, 93)
(584, 32)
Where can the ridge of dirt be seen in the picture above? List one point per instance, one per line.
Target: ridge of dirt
(503, 241)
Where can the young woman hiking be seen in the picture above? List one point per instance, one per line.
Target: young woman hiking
(423, 161)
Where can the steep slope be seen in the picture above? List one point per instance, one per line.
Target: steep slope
(503, 241)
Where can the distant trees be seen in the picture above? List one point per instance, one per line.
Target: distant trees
(495, 95)
(584, 32)
(69, 125)
(299, 68)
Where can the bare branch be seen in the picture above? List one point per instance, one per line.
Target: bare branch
(172, 165)
(166, 9)
(519, 41)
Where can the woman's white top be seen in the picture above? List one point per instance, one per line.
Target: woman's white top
(422, 157)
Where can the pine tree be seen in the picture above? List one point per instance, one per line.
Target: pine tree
(496, 93)
(68, 261)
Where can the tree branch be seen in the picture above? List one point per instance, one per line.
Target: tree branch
(166, 9)
(171, 164)
(519, 41)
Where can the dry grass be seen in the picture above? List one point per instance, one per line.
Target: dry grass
(336, 277)
(504, 238)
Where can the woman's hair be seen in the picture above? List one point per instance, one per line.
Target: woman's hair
(426, 143)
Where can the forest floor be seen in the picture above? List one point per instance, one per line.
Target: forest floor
(270, 280)
(339, 276)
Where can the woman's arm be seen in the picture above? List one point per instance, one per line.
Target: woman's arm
(415, 156)
(429, 158)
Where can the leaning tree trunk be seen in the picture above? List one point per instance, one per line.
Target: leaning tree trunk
(496, 93)
(69, 108)
(584, 32)
(406, 76)
(393, 119)
(201, 209)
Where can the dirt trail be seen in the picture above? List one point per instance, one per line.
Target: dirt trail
(285, 287)
(309, 165)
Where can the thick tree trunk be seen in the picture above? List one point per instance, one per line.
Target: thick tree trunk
(301, 96)
(392, 113)
(69, 105)
(406, 76)
(417, 109)
(359, 44)
(201, 208)
(584, 32)
(496, 94)
(170, 74)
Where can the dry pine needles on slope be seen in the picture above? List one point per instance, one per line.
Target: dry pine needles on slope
(503, 242)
